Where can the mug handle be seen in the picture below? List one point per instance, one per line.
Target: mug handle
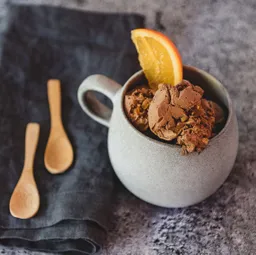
(102, 84)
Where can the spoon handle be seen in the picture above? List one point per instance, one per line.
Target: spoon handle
(31, 141)
(54, 98)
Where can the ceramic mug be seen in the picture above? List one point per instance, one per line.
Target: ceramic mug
(153, 170)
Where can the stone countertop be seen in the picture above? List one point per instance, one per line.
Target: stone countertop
(219, 37)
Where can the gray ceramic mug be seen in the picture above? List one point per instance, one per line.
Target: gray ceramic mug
(156, 171)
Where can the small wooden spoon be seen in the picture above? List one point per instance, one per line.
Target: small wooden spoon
(59, 153)
(25, 199)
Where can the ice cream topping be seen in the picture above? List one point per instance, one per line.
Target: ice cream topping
(136, 105)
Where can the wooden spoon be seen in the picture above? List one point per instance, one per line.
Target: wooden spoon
(25, 199)
(59, 152)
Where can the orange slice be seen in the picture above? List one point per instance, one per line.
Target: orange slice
(158, 56)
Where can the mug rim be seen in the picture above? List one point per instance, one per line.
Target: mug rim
(140, 72)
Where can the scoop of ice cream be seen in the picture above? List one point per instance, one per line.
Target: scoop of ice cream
(185, 95)
(136, 104)
(179, 112)
(197, 130)
(162, 114)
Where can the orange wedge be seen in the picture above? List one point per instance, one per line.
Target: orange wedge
(158, 56)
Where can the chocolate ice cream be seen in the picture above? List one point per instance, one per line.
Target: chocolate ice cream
(162, 114)
(179, 112)
(136, 104)
(175, 113)
(185, 95)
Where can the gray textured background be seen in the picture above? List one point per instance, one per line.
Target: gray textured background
(218, 36)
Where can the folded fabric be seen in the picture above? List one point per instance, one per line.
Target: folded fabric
(41, 43)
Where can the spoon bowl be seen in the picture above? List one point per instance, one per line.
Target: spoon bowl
(25, 200)
(59, 153)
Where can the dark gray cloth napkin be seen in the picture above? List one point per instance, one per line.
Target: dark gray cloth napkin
(42, 43)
